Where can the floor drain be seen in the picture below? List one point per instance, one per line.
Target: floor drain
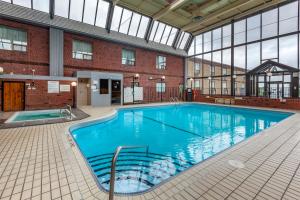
(236, 164)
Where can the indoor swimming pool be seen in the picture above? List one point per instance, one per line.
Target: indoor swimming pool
(178, 137)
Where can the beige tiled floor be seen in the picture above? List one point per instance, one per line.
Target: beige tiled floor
(42, 162)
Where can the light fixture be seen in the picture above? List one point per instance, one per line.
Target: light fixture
(163, 77)
(73, 84)
(209, 78)
(136, 75)
(150, 78)
(234, 76)
(1, 70)
(191, 79)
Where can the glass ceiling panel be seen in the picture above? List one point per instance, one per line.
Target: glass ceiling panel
(90, 7)
(184, 40)
(172, 36)
(42, 5)
(95, 12)
(62, 8)
(102, 12)
(76, 8)
(153, 30)
(180, 39)
(135, 22)
(116, 18)
(163, 33)
(25, 3)
(166, 34)
(159, 32)
(143, 27)
(125, 21)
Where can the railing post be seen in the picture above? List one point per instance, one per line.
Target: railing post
(113, 167)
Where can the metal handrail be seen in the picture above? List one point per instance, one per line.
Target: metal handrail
(69, 108)
(113, 167)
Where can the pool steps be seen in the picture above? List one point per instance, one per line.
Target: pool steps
(145, 168)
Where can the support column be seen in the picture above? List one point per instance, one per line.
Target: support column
(56, 51)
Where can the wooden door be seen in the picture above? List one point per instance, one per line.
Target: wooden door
(13, 96)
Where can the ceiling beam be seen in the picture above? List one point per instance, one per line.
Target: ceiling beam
(168, 8)
(114, 2)
(244, 14)
(205, 5)
(229, 8)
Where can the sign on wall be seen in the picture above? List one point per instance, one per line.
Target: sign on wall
(128, 94)
(53, 86)
(65, 88)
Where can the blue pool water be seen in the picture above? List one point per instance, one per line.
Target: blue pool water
(178, 137)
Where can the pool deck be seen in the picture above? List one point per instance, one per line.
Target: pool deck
(42, 162)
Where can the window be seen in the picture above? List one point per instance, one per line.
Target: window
(288, 50)
(128, 57)
(13, 39)
(239, 60)
(269, 23)
(217, 39)
(197, 84)
(269, 50)
(213, 87)
(160, 87)
(198, 44)
(288, 18)
(253, 28)
(82, 50)
(207, 41)
(226, 35)
(253, 55)
(224, 88)
(213, 70)
(197, 69)
(161, 62)
(224, 71)
(103, 86)
(239, 32)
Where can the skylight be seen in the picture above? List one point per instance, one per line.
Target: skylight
(128, 22)
(95, 12)
(184, 37)
(163, 33)
(92, 12)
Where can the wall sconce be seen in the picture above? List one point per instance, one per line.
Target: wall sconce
(1, 70)
(234, 76)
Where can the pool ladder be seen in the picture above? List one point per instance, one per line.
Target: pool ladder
(69, 110)
(174, 100)
(113, 167)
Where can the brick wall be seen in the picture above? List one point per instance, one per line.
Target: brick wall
(107, 57)
(37, 54)
(41, 99)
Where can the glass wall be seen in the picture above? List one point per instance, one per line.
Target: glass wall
(227, 53)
